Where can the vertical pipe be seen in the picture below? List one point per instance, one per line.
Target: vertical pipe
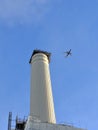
(9, 120)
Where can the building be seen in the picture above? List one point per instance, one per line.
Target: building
(42, 114)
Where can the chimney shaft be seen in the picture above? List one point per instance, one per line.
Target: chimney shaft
(41, 100)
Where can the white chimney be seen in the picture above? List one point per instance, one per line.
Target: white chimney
(41, 100)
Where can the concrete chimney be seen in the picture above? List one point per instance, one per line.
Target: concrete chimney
(41, 100)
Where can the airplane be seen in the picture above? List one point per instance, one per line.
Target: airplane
(68, 53)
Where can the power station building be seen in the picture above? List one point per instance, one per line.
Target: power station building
(42, 114)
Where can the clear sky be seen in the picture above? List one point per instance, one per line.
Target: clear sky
(54, 26)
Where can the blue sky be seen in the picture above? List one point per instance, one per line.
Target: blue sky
(54, 26)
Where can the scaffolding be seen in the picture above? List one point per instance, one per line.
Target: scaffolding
(19, 124)
(9, 120)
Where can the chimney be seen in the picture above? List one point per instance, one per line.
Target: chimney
(41, 99)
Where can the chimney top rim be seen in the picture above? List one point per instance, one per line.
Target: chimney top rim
(40, 51)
